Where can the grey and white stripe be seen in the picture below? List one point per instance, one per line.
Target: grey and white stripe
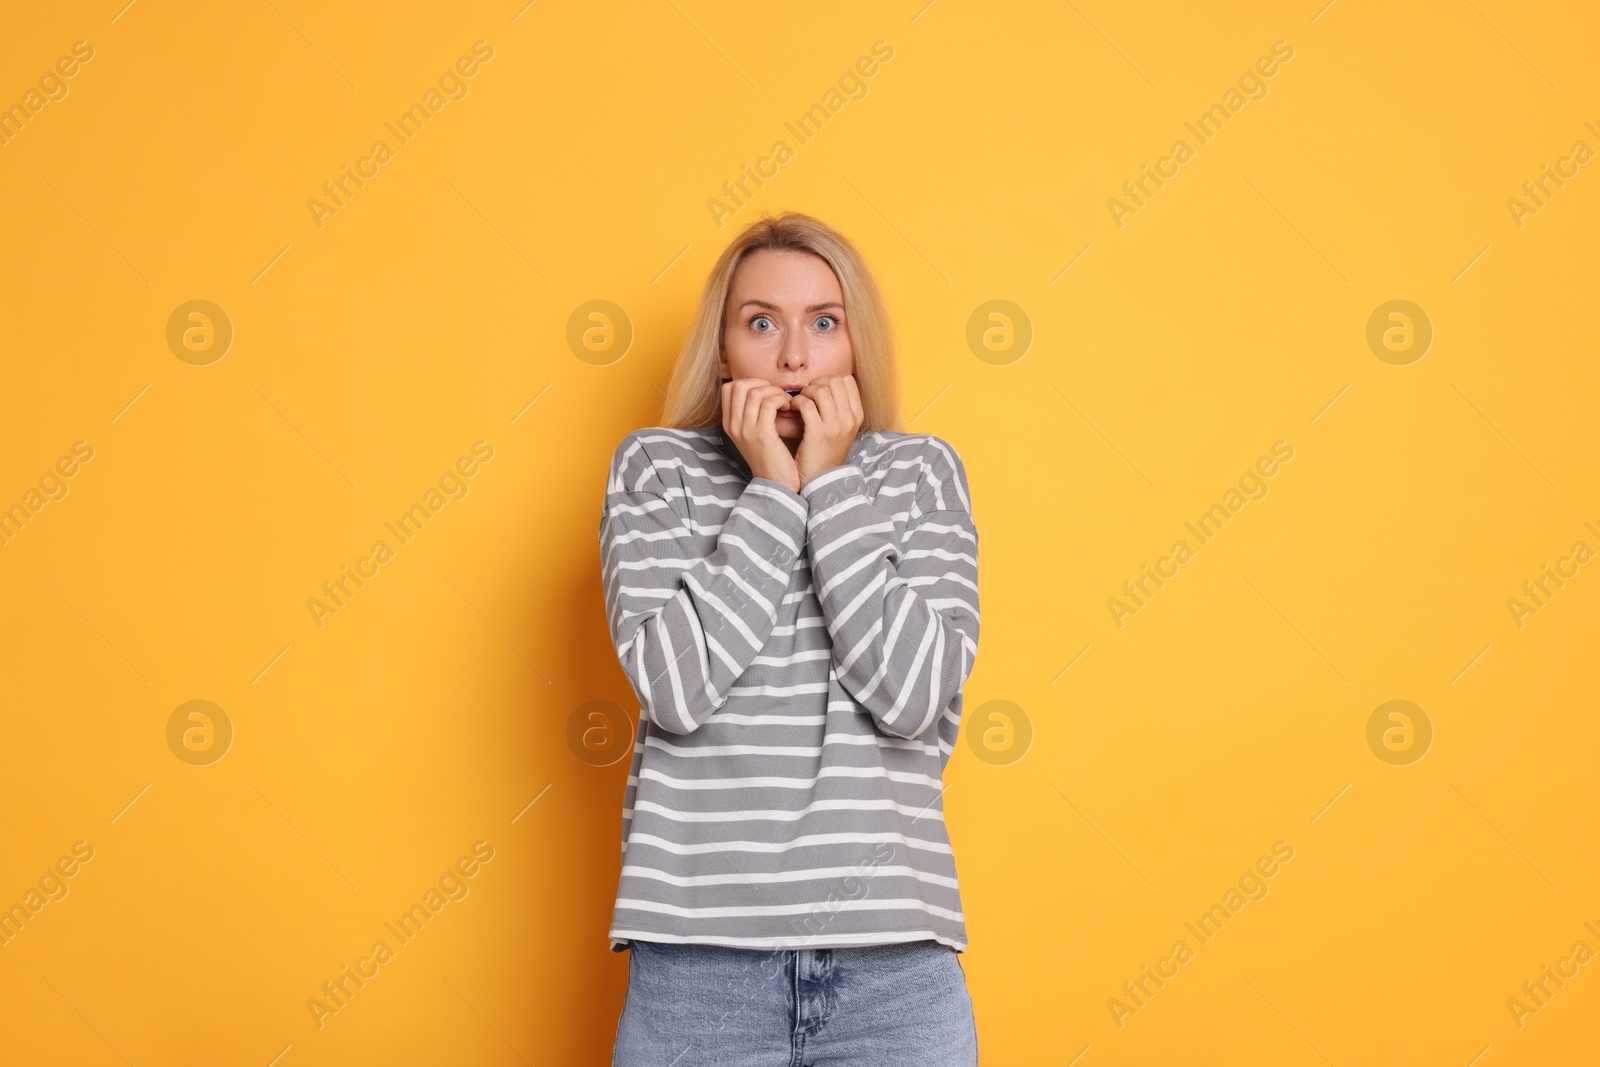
(799, 661)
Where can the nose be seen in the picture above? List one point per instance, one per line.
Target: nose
(793, 353)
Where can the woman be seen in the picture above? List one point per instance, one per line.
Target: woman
(792, 586)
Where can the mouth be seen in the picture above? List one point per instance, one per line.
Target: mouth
(792, 390)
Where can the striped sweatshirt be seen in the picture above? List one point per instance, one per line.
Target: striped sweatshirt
(798, 659)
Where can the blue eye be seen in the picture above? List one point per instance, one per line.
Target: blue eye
(829, 319)
(760, 318)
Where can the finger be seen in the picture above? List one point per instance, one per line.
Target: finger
(827, 405)
(818, 385)
(809, 416)
(752, 412)
(772, 403)
(756, 391)
(764, 403)
(736, 391)
(766, 392)
(854, 391)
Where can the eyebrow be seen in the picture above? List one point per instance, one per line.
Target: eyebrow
(775, 307)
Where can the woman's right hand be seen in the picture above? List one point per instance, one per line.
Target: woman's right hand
(750, 409)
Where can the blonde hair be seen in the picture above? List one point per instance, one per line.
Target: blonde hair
(694, 395)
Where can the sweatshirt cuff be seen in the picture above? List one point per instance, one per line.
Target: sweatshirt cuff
(834, 486)
(780, 514)
(782, 490)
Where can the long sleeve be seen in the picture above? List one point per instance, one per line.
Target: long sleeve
(904, 623)
(687, 623)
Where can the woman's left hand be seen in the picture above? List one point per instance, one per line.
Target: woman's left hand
(830, 407)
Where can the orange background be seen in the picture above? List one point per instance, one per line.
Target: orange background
(432, 711)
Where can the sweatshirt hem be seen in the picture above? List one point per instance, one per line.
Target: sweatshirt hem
(619, 940)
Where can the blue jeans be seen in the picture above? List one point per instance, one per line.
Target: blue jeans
(715, 1006)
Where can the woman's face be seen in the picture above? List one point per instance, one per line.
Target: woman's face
(785, 324)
